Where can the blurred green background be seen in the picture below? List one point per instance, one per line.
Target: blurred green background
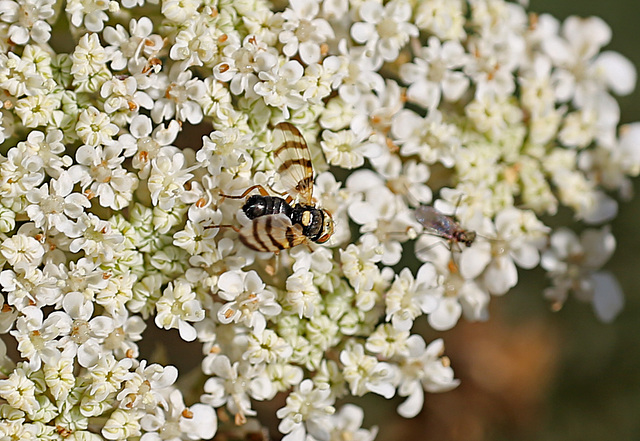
(530, 374)
(596, 392)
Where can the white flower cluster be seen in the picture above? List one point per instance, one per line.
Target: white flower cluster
(107, 203)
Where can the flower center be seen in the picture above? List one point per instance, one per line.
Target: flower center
(305, 30)
(53, 204)
(115, 339)
(80, 331)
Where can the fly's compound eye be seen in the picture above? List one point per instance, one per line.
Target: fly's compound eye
(327, 228)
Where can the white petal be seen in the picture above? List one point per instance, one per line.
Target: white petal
(619, 72)
(501, 275)
(608, 298)
(187, 332)
(447, 314)
(413, 404)
(604, 209)
(474, 260)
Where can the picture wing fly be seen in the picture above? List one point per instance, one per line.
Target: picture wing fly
(273, 233)
(293, 162)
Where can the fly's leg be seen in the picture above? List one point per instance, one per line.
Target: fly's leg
(233, 227)
(263, 191)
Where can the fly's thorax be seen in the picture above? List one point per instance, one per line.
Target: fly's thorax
(258, 205)
(466, 237)
(312, 221)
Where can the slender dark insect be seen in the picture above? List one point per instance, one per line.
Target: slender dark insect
(279, 223)
(441, 225)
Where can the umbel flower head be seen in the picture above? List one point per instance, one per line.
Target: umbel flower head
(126, 161)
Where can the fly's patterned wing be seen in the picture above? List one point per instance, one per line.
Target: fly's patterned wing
(293, 162)
(273, 233)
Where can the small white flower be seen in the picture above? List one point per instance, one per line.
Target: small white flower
(233, 385)
(180, 11)
(574, 265)
(166, 180)
(176, 419)
(36, 335)
(345, 150)
(281, 87)
(365, 373)
(59, 376)
(178, 306)
(434, 74)
(267, 347)
(147, 387)
(131, 48)
(346, 424)
(123, 424)
(387, 341)
(123, 95)
(248, 301)
(107, 376)
(22, 252)
(241, 63)
(146, 143)
(86, 334)
(359, 263)
(517, 239)
(34, 286)
(303, 32)
(91, 13)
(95, 128)
(302, 296)
(443, 18)
(197, 43)
(408, 298)
(28, 19)
(89, 57)
(306, 413)
(424, 369)
(385, 29)
(55, 205)
(97, 239)
(430, 137)
(19, 391)
(50, 149)
(179, 98)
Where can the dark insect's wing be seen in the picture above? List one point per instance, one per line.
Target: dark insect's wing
(272, 232)
(435, 222)
(293, 162)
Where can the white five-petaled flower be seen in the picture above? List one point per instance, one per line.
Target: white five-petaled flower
(28, 19)
(248, 301)
(177, 307)
(91, 13)
(384, 29)
(424, 369)
(241, 63)
(574, 266)
(281, 87)
(365, 373)
(175, 419)
(433, 74)
(306, 413)
(179, 98)
(54, 206)
(303, 32)
(234, 385)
